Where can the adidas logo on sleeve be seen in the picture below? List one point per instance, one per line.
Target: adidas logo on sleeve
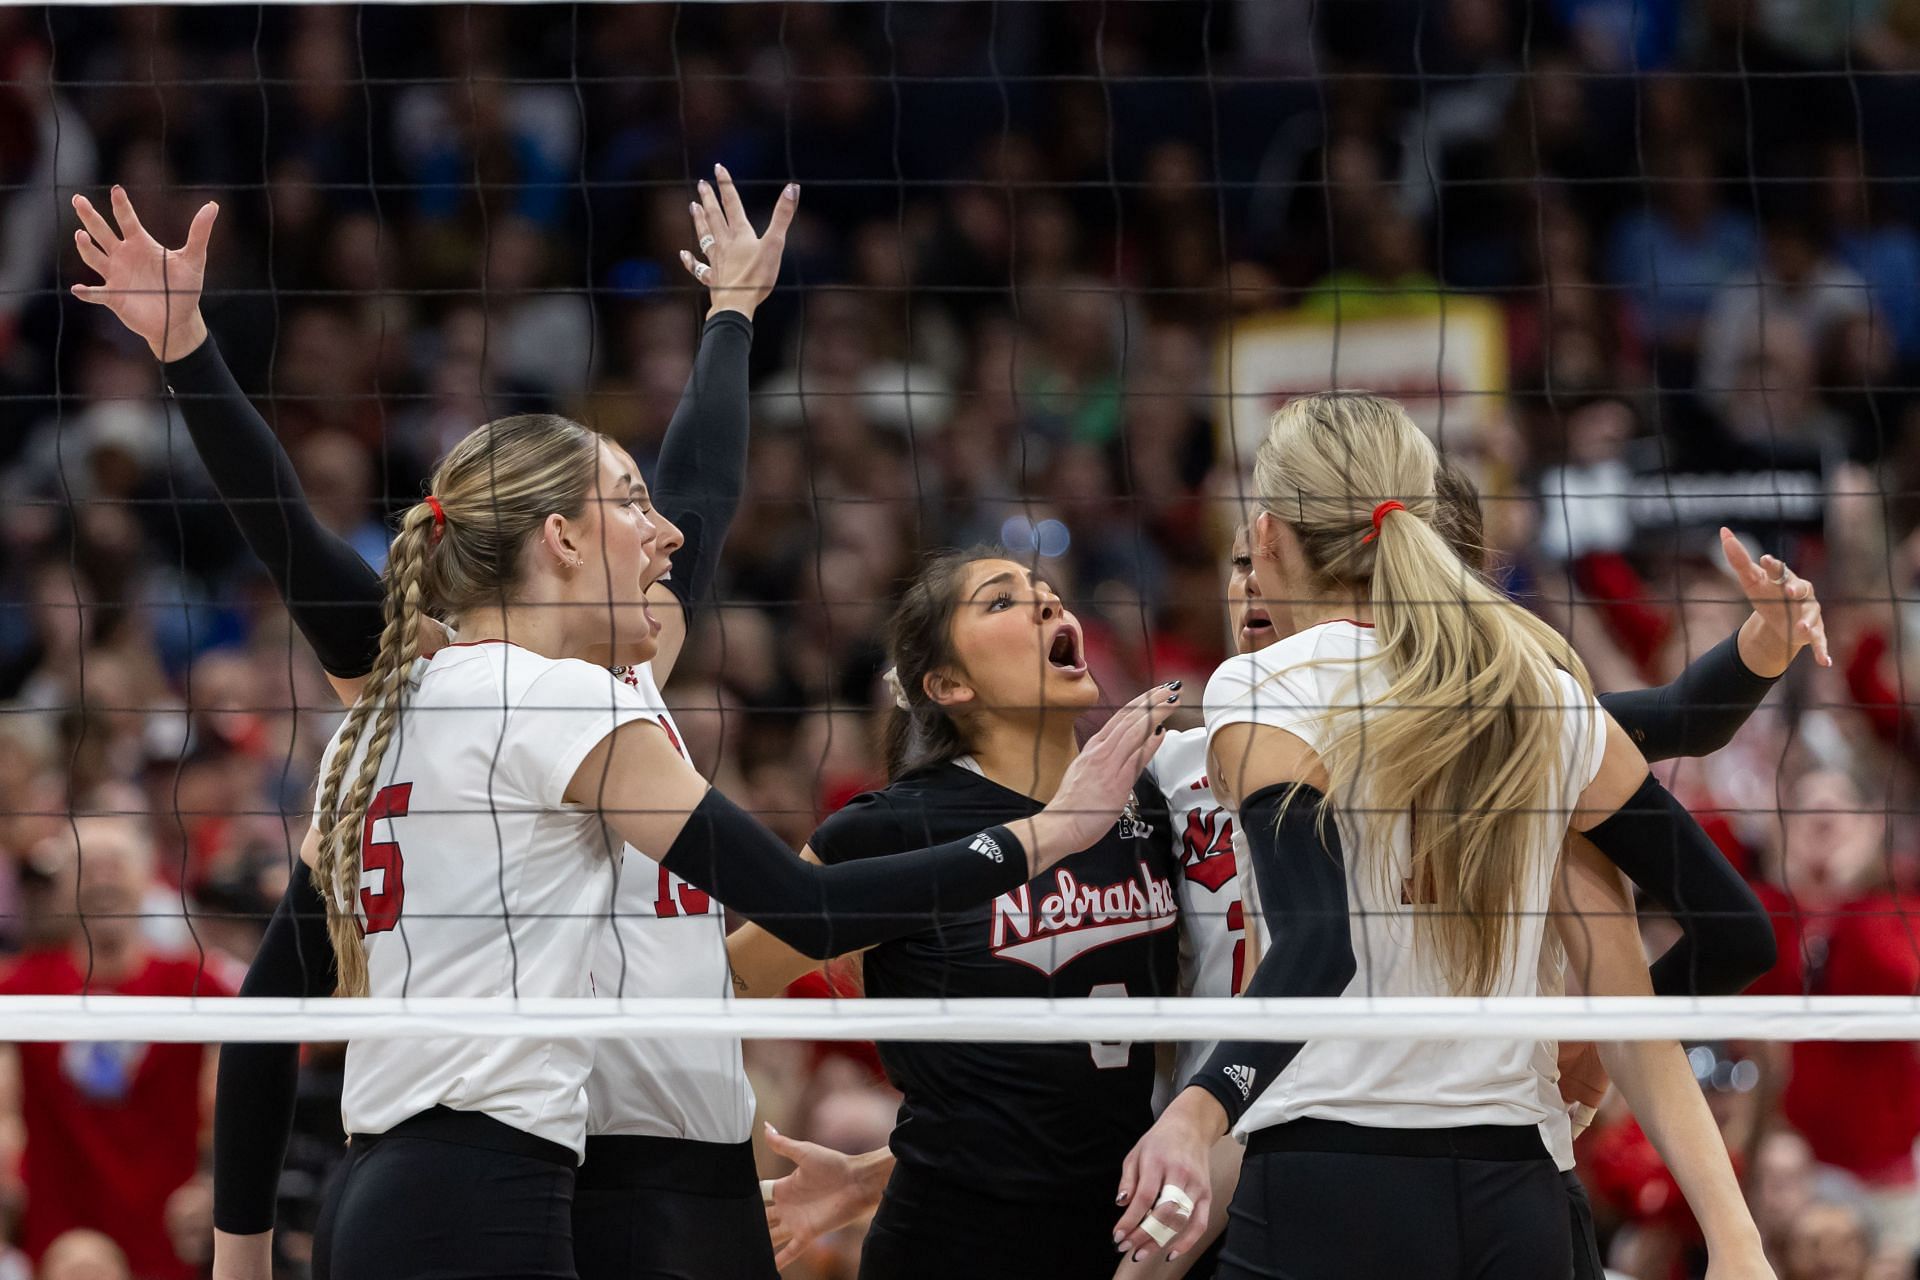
(1242, 1078)
(987, 846)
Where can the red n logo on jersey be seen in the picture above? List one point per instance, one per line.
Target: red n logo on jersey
(1207, 854)
(381, 906)
(693, 902)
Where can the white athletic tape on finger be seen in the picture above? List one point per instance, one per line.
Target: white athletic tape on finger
(706, 243)
(702, 270)
(1171, 1194)
(1160, 1231)
(766, 1191)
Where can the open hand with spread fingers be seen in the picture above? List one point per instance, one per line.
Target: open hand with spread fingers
(1786, 612)
(153, 289)
(738, 266)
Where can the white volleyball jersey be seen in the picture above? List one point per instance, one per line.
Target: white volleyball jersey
(1213, 930)
(479, 879)
(668, 939)
(1414, 1085)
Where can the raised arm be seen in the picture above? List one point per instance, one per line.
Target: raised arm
(333, 595)
(1698, 713)
(703, 459)
(653, 798)
(258, 1083)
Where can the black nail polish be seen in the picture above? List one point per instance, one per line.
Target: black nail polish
(1158, 730)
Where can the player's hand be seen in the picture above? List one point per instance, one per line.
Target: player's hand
(153, 289)
(1166, 1183)
(1099, 783)
(739, 267)
(1786, 612)
(1583, 1082)
(824, 1192)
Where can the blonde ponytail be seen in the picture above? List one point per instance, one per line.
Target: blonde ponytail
(457, 549)
(1466, 737)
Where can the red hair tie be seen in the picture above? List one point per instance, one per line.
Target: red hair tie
(1380, 513)
(440, 516)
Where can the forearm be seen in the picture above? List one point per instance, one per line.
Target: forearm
(824, 912)
(703, 459)
(1301, 872)
(1657, 1082)
(763, 966)
(1700, 711)
(242, 1257)
(258, 1084)
(334, 596)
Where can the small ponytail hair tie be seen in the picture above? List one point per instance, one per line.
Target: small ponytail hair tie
(1380, 513)
(891, 678)
(440, 517)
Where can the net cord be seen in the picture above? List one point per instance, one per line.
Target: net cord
(209, 1019)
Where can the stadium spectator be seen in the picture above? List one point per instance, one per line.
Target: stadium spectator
(112, 1130)
(84, 1255)
(1843, 931)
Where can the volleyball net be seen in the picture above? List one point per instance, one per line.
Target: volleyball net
(1641, 271)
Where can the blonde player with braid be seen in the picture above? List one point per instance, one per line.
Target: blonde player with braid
(468, 835)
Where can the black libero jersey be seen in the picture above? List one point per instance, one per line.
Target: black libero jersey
(1021, 1121)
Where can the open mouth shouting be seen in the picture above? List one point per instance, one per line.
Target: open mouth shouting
(1067, 652)
(1256, 628)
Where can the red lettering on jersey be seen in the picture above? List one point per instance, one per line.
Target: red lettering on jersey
(1200, 785)
(1237, 923)
(693, 902)
(1207, 854)
(381, 907)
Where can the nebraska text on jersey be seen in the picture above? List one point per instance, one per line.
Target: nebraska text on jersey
(1077, 918)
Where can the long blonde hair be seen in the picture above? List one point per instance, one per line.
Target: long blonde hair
(494, 489)
(1466, 737)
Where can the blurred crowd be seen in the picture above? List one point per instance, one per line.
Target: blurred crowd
(1023, 230)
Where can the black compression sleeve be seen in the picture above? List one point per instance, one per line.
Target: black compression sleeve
(828, 911)
(1727, 939)
(1302, 874)
(333, 594)
(254, 1099)
(1698, 713)
(703, 460)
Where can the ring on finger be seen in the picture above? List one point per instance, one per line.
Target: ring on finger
(706, 243)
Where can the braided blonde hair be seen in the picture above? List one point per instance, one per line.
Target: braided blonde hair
(496, 489)
(1468, 731)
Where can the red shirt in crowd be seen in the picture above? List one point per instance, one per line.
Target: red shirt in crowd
(112, 1129)
(1857, 1104)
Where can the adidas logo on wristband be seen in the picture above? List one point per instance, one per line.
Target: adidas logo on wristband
(987, 845)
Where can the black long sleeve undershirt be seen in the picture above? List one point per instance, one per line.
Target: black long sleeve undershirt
(1699, 712)
(333, 594)
(258, 1084)
(828, 911)
(1726, 938)
(1302, 873)
(703, 459)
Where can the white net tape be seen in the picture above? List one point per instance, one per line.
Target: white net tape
(140, 1018)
